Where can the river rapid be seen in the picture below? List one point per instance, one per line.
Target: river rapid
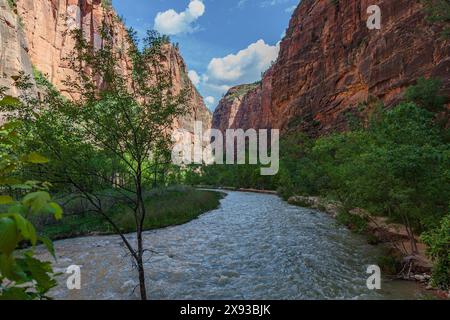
(255, 246)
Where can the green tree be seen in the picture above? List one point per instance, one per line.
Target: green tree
(106, 143)
(425, 94)
(22, 276)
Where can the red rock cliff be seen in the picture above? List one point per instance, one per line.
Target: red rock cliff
(36, 31)
(330, 61)
(14, 56)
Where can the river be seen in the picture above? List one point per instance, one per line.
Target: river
(255, 246)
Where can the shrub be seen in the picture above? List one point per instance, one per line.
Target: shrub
(425, 94)
(22, 276)
(352, 221)
(438, 241)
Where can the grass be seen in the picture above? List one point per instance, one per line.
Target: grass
(165, 208)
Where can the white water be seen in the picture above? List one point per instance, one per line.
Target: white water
(255, 246)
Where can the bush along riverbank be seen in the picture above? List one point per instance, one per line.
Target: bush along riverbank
(393, 162)
(166, 207)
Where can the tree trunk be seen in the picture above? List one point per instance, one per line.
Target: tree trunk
(410, 232)
(141, 270)
(141, 212)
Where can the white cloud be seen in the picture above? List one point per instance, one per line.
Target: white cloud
(195, 78)
(216, 88)
(245, 66)
(210, 101)
(171, 22)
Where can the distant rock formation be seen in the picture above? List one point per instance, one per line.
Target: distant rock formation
(329, 62)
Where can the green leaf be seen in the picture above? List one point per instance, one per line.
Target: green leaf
(40, 273)
(25, 227)
(17, 208)
(36, 200)
(15, 293)
(35, 158)
(57, 210)
(6, 200)
(9, 238)
(7, 266)
(32, 234)
(48, 244)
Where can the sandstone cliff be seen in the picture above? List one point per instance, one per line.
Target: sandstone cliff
(38, 31)
(329, 62)
(14, 56)
(47, 23)
(234, 109)
(197, 108)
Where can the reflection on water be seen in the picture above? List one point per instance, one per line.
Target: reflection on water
(255, 246)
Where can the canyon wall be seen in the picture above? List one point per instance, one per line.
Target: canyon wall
(47, 25)
(14, 57)
(40, 37)
(329, 62)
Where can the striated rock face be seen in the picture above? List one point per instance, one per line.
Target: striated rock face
(14, 56)
(43, 37)
(235, 108)
(197, 108)
(330, 62)
(47, 24)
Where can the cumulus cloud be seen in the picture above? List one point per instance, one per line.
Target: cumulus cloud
(243, 67)
(210, 101)
(195, 78)
(171, 22)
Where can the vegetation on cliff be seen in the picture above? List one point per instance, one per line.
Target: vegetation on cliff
(439, 13)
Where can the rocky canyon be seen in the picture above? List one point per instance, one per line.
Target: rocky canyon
(330, 63)
(34, 37)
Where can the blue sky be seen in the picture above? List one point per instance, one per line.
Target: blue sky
(223, 42)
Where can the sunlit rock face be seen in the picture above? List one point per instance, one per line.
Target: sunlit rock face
(329, 62)
(14, 56)
(197, 110)
(47, 25)
(37, 33)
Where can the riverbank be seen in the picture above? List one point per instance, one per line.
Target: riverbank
(400, 259)
(165, 208)
(238, 189)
